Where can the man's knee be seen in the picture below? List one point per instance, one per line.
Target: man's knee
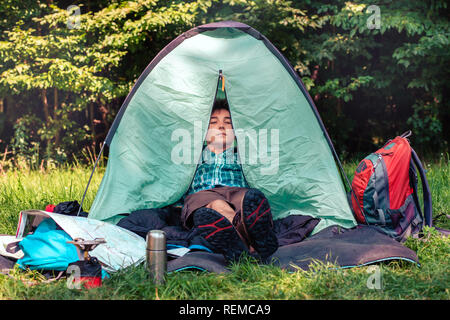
(223, 207)
(219, 205)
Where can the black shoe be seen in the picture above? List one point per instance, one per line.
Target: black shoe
(259, 224)
(220, 233)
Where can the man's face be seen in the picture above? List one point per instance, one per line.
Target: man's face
(220, 132)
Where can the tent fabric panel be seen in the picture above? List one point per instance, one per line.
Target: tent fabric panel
(230, 26)
(141, 172)
(305, 180)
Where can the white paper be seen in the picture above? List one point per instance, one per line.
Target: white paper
(5, 240)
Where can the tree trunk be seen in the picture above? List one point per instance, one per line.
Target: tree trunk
(91, 121)
(47, 117)
(55, 116)
(45, 104)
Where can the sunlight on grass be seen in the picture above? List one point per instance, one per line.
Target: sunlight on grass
(22, 190)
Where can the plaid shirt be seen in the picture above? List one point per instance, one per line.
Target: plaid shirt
(222, 169)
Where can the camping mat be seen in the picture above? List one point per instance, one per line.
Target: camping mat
(199, 260)
(344, 248)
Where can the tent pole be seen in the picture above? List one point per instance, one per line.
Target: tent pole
(90, 178)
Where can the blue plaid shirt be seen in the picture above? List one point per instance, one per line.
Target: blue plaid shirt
(222, 169)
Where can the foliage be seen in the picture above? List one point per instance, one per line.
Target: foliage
(425, 123)
(369, 81)
(25, 141)
(70, 64)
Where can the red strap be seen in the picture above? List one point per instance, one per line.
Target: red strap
(50, 208)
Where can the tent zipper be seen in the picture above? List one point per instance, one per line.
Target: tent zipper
(221, 77)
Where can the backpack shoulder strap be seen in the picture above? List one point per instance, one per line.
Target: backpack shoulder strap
(427, 204)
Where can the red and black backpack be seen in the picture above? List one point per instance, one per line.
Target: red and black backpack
(384, 190)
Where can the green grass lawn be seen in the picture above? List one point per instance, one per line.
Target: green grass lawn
(21, 190)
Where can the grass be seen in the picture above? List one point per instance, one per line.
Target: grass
(27, 189)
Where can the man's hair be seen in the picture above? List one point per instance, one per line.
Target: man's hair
(220, 104)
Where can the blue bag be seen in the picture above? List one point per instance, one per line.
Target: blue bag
(47, 248)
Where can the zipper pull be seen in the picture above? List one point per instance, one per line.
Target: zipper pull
(380, 154)
(378, 161)
(222, 78)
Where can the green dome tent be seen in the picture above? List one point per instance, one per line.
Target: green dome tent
(156, 139)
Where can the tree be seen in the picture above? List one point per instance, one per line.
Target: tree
(74, 66)
(373, 71)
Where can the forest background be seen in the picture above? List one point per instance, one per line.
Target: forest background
(373, 68)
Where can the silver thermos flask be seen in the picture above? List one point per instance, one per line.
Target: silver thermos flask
(156, 255)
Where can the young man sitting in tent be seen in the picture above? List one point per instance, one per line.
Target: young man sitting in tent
(232, 217)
